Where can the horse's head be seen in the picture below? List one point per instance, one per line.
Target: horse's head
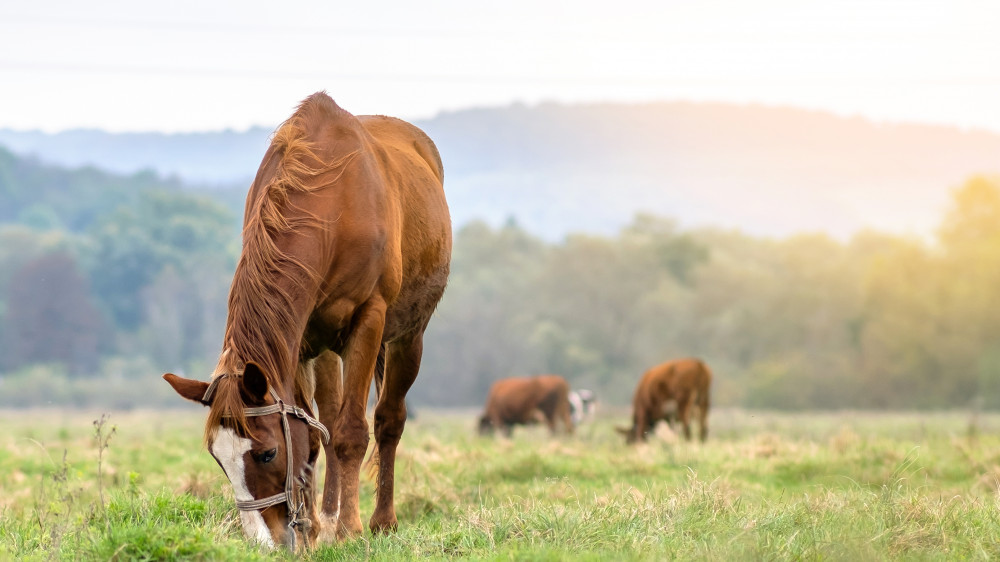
(268, 450)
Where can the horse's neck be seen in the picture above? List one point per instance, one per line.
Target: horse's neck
(268, 333)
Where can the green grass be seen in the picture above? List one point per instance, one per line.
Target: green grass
(848, 486)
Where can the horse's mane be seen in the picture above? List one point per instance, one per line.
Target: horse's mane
(260, 307)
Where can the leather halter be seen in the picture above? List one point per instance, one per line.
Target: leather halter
(288, 496)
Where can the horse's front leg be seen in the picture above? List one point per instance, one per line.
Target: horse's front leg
(351, 433)
(329, 373)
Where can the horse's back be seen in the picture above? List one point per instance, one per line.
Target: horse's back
(412, 169)
(406, 138)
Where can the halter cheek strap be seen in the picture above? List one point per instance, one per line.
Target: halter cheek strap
(295, 504)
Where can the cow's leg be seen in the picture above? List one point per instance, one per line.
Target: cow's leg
(669, 411)
(402, 365)
(562, 414)
(351, 430)
(703, 417)
(684, 413)
(550, 420)
(567, 417)
(329, 373)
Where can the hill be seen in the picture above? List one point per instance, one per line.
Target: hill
(221, 157)
(50, 196)
(557, 168)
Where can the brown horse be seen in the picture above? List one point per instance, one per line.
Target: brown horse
(525, 401)
(668, 391)
(346, 252)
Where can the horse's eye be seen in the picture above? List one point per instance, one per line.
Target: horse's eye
(266, 456)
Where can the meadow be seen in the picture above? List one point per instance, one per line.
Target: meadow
(766, 486)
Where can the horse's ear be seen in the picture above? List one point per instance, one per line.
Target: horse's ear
(254, 382)
(188, 388)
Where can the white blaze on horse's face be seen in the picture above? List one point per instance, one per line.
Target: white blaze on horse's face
(229, 449)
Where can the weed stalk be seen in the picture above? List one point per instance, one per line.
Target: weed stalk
(102, 435)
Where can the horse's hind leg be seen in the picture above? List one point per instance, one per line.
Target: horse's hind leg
(402, 365)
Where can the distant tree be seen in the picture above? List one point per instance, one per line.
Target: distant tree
(134, 244)
(185, 314)
(40, 217)
(974, 216)
(20, 244)
(968, 287)
(479, 331)
(50, 316)
(676, 252)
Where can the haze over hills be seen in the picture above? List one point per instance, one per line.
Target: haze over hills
(558, 169)
(221, 158)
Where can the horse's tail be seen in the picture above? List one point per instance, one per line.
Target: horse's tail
(370, 466)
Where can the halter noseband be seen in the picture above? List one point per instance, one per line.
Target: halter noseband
(288, 496)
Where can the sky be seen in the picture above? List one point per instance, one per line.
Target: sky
(196, 65)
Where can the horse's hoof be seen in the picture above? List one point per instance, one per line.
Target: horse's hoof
(382, 527)
(347, 531)
(327, 530)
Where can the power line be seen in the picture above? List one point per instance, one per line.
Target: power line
(297, 30)
(592, 80)
(89, 68)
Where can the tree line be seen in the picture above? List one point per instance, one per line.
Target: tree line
(99, 271)
(878, 321)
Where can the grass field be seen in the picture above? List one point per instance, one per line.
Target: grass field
(846, 486)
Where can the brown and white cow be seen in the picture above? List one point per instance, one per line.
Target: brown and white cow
(670, 391)
(526, 401)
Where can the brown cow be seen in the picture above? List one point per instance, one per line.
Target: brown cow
(527, 401)
(669, 391)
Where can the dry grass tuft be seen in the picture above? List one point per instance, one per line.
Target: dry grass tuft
(845, 440)
(196, 486)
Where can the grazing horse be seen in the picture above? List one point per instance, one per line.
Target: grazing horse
(669, 390)
(346, 252)
(527, 401)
